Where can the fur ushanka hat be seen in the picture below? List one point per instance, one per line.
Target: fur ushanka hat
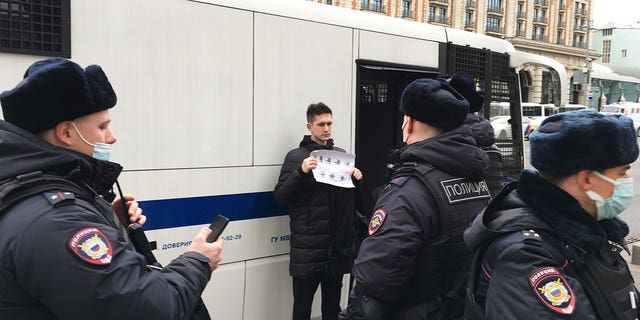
(568, 142)
(434, 102)
(56, 90)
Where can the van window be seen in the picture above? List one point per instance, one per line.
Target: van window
(612, 109)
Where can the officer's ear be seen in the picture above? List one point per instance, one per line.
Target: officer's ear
(62, 132)
(584, 179)
(410, 123)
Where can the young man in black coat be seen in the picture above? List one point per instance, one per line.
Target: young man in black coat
(322, 237)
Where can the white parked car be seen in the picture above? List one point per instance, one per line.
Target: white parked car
(502, 126)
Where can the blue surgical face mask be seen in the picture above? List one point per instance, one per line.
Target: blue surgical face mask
(619, 200)
(101, 151)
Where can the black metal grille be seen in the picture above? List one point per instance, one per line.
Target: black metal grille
(374, 91)
(472, 61)
(37, 27)
(498, 83)
(502, 81)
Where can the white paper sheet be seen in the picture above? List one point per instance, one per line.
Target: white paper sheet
(334, 167)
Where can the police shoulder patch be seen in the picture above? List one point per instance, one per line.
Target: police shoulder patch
(553, 290)
(399, 181)
(91, 245)
(58, 197)
(376, 220)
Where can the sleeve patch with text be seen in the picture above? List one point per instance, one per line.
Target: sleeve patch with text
(91, 245)
(553, 290)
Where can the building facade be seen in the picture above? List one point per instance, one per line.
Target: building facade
(617, 79)
(554, 28)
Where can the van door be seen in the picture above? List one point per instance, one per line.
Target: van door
(378, 122)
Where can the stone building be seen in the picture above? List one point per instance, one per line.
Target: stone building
(558, 29)
(618, 78)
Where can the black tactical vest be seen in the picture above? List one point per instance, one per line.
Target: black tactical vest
(445, 258)
(606, 279)
(604, 276)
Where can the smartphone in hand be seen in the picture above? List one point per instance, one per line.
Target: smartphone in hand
(217, 226)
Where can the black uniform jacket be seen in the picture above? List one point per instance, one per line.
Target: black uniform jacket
(406, 219)
(322, 230)
(534, 232)
(481, 130)
(60, 255)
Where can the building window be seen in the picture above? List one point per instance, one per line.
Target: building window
(561, 22)
(520, 10)
(624, 53)
(520, 29)
(432, 13)
(330, 2)
(607, 32)
(493, 24)
(442, 15)
(578, 41)
(36, 27)
(560, 37)
(606, 51)
(538, 34)
(494, 5)
(375, 5)
(468, 19)
(406, 9)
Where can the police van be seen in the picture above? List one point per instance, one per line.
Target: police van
(629, 109)
(213, 93)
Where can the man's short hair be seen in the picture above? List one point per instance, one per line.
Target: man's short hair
(315, 109)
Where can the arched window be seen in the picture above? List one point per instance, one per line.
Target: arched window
(525, 84)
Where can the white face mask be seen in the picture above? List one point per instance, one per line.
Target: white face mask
(101, 151)
(404, 141)
(619, 200)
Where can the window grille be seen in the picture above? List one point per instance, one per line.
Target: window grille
(36, 27)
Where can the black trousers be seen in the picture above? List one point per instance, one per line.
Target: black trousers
(304, 289)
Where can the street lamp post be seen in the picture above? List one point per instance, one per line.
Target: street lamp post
(587, 66)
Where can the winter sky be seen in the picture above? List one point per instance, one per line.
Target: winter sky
(618, 11)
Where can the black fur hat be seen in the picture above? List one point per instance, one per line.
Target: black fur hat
(434, 102)
(568, 142)
(466, 86)
(56, 90)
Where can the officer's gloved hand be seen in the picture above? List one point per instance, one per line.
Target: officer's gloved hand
(362, 307)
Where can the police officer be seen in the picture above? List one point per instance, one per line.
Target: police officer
(481, 129)
(549, 245)
(63, 254)
(414, 251)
